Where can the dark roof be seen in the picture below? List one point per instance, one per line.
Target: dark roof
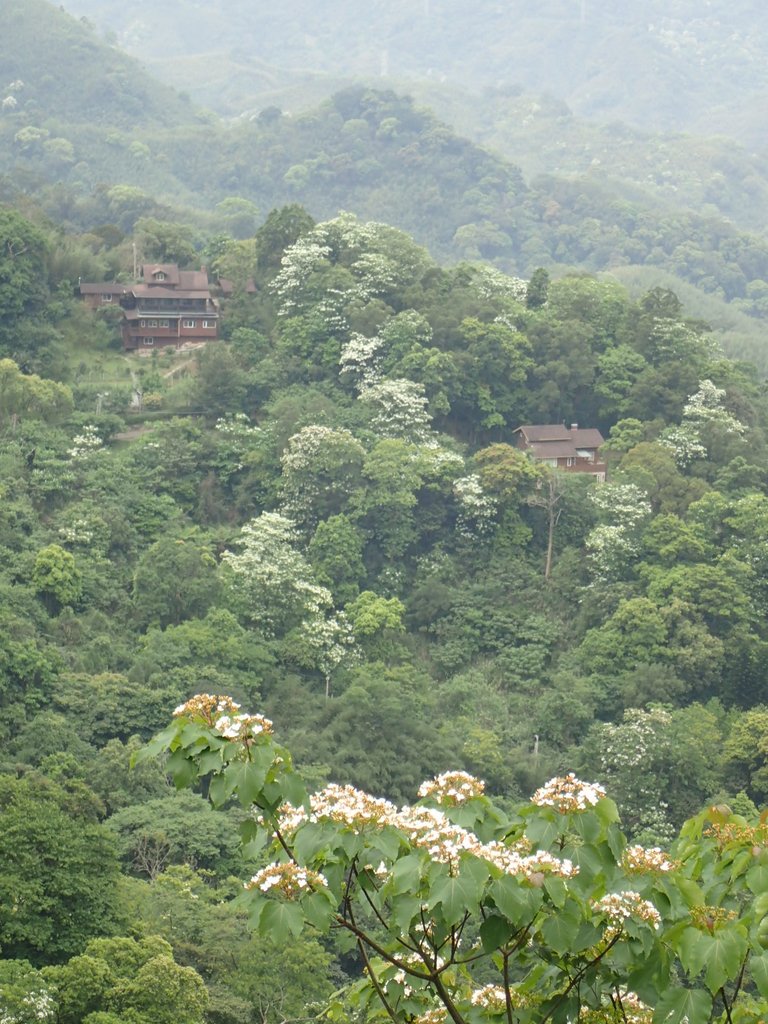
(545, 432)
(556, 441)
(553, 450)
(587, 437)
(169, 270)
(101, 288)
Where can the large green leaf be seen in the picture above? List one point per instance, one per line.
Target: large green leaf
(456, 895)
(683, 1004)
(406, 874)
(757, 878)
(758, 968)
(281, 921)
(724, 953)
(494, 932)
(560, 931)
(518, 901)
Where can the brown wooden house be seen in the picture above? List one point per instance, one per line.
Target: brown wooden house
(572, 449)
(169, 307)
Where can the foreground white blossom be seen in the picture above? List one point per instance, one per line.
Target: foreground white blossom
(568, 794)
(638, 859)
(287, 880)
(452, 787)
(425, 828)
(619, 907)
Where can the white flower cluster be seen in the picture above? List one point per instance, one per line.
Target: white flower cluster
(207, 706)
(274, 577)
(437, 1015)
(706, 406)
(399, 409)
(494, 998)
(489, 282)
(78, 531)
(86, 444)
(222, 714)
(237, 425)
(639, 859)
(332, 638)
(426, 828)
(311, 447)
(289, 880)
(431, 830)
(532, 866)
(684, 443)
(568, 794)
(629, 744)
(342, 804)
(490, 997)
(38, 1004)
(360, 360)
(626, 503)
(614, 544)
(298, 262)
(619, 907)
(362, 248)
(242, 727)
(476, 508)
(452, 788)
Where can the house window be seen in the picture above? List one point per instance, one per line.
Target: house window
(209, 323)
(187, 323)
(159, 275)
(148, 341)
(164, 323)
(152, 323)
(569, 461)
(106, 297)
(143, 323)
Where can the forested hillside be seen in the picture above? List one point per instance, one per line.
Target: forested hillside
(98, 145)
(326, 516)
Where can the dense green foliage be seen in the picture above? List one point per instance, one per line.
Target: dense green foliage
(326, 513)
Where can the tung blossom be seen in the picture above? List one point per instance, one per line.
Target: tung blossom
(288, 880)
(452, 787)
(568, 794)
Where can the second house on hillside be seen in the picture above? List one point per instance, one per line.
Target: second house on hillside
(573, 449)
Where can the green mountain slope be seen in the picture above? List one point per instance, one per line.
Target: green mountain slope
(55, 67)
(374, 153)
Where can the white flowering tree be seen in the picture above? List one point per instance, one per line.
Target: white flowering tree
(321, 469)
(466, 914)
(704, 417)
(399, 409)
(276, 587)
(271, 577)
(615, 542)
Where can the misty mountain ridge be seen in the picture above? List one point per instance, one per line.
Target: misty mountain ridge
(663, 66)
